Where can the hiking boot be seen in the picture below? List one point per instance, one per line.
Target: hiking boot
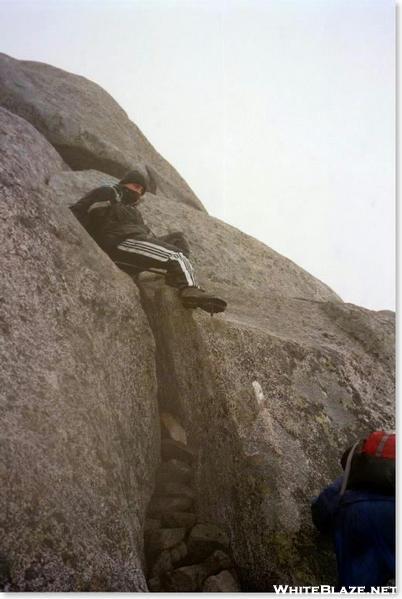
(194, 297)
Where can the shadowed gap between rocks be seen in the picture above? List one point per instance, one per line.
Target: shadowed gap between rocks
(194, 556)
(79, 159)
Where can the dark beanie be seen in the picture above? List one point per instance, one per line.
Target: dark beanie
(134, 177)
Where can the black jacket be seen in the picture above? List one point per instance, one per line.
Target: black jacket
(108, 216)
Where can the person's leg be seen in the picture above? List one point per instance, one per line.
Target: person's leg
(156, 256)
(178, 240)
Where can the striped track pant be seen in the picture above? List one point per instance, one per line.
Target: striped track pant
(156, 256)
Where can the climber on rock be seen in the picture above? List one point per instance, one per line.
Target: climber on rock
(110, 216)
(358, 510)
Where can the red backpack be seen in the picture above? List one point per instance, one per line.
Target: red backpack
(370, 464)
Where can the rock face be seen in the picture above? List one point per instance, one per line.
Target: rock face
(79, 420)
(271, 400)
(269, 393)
(83, 122)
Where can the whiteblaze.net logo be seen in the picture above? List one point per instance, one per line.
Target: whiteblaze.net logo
(285, 588)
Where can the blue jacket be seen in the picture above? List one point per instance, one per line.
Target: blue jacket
(362, 524)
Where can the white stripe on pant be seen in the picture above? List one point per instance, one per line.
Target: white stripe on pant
(161, 254)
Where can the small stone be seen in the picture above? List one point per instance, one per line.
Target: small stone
(162, 564)
(158, 540)
(152, 524)
(163, 505)
(174, 471)
(178, 520)
(204, 539)
(178, 553)
(190, 579)
(173, 450)
(223, 582)
(187, 579)
(172, 428)
(172, 489)
(217, 561)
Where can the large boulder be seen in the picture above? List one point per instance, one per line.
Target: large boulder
(80, 431)
(85, 125)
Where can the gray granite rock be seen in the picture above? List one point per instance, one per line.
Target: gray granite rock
(159, 506)
(224, 582)
(174, 450)
(85, 125)
(157, 541)
(179, 519)
(179, 552)
(78, 400)
(172, 489)
(172, 429)
(189, 579)
(174, 471)
(271, 393)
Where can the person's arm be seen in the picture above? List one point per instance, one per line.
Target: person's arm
(324, 506)
(97, 198)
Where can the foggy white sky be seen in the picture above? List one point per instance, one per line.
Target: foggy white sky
(278, 113)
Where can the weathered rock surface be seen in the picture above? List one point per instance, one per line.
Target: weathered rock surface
(190, 579)
(278, 387)
(172, 429)
(179, 519)
(78, 400)
(159, 506)
(271, 391)
(174, 450)
(85, 125)
(16, 167)
(224, 582)
(175, 490)
(165, 538)
(174, 471)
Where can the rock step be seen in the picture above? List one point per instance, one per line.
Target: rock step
(160, 506)
(166, 560)
(157, 541)
(174, 450)
(172, 489)
(224, 582)
(178, 520)
(183, 555)
(172, 429)
(190, 579)
(204, 539)
(174, 470)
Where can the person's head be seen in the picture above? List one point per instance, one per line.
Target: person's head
(135, 182)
